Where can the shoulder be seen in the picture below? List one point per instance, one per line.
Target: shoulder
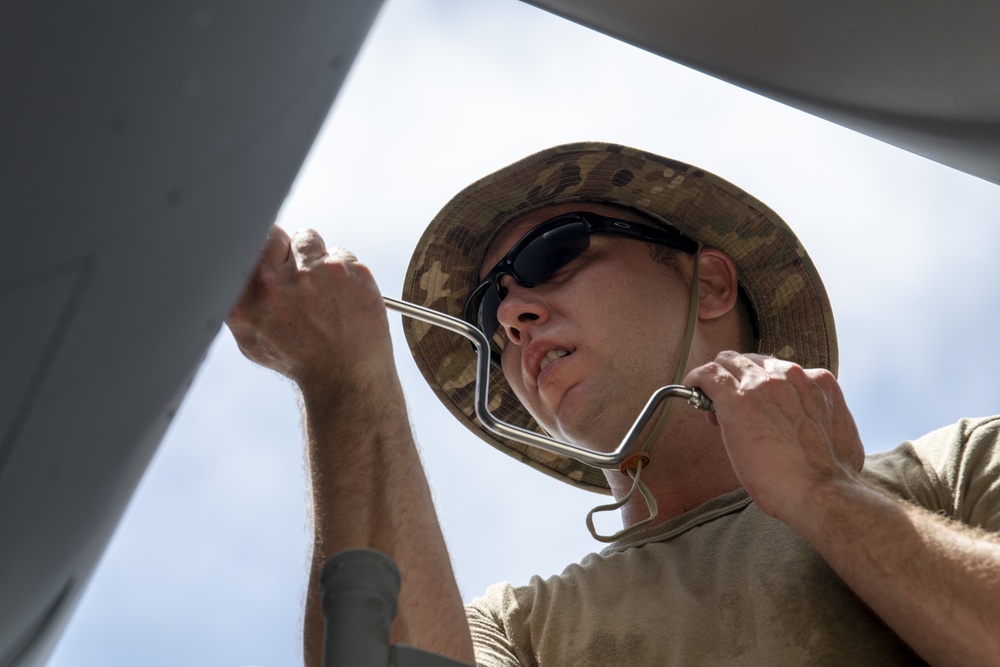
(954, 470)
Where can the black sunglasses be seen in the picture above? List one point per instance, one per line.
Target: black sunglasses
(546, 249)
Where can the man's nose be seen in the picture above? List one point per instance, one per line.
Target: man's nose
(522, 309)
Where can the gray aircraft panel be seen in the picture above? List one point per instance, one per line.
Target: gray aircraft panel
(923, 76)
(33, 311)
(144, 151)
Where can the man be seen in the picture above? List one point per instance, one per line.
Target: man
(602, 273)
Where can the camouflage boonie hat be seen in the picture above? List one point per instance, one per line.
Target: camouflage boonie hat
(794, 316)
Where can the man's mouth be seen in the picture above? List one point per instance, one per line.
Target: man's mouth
(551, 356)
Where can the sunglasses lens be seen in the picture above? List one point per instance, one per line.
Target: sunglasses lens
(545, 254)
(487, 316)
(534, 261)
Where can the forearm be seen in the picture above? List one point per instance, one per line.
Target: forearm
(796, 449)
(369, 490)
(935, 582)
(317, 317)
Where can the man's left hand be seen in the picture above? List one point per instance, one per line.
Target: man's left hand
(787, 429)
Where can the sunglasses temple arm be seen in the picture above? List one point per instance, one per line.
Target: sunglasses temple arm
(612, 460)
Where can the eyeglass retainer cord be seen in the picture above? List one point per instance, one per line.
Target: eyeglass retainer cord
(633, 466)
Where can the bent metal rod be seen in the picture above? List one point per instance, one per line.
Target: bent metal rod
(612, 460)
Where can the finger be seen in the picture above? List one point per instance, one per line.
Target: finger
(276, 249)
(764, 360)
(740, 364)
(307, 247)
(273, 256)
(342, 255)
(711, 378)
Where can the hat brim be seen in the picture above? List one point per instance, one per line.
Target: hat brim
(794, 317)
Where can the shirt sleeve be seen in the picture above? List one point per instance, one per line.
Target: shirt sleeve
(488, 615)
(954, 471)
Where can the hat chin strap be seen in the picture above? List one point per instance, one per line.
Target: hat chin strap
(641, 459)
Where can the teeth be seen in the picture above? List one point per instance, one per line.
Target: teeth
(552, 356)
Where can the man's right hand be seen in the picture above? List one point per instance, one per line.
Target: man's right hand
(313, 315)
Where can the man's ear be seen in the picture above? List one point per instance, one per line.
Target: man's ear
(717, 287)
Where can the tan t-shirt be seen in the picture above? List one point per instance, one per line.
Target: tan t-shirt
(726, 584)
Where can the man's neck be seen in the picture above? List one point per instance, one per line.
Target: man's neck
(688, 467)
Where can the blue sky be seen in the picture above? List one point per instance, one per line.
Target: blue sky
(209, 565)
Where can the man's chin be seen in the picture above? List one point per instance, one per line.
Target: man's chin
(579, 418)
(603, 434)
(590, 431)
